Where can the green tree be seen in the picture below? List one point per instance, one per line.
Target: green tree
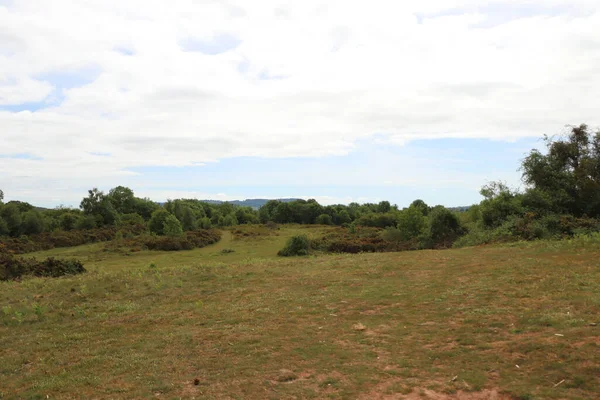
(86, 222)
(122, 199)
(3, 227)
(443, 227)
(411, 223)
(569, 172)
(384, 206)
(172, 226)
(205, 223)
(188, 219)
(12, 216)
(32, 223)
(91, 204)
(1, 196)
(68, 221)
(421, 206)
(131, 219)
(157, 221)
(230, 220)
(144, 207)
(324, 219)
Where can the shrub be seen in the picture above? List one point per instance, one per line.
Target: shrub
(156, 224)
(186, 241)
(50, 240)
(298, 245)
(12, 268)
(172, 226)
(324, 219)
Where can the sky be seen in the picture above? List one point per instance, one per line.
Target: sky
(339, 101)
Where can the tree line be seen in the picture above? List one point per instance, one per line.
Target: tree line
(561, 197)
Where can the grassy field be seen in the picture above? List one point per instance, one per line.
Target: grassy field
(498, 322)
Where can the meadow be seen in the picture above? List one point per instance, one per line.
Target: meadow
(234, 321)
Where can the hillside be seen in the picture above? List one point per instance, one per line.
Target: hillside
(254, 203)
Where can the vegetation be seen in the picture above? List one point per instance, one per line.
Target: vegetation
(561, 199)
(12, 268)
(229, 319)
(511, 320)
(298, 245)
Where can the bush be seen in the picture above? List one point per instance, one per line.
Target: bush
(186, 241)
(324, 219)
(50, 240)
(172, 226)
(156, 224)
(12, 268)
(298, 245)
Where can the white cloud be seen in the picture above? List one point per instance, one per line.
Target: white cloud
(344, 71)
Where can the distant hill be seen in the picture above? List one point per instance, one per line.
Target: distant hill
(254, 203)
(459, 209)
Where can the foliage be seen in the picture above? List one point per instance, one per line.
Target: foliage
(172, 226)
(185, 241)
(298, 245)
(156, 224)
(324, 219)
(569, 173)
(12, 268)
(50, 240)
(443, 227)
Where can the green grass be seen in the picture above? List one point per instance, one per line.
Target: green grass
(150, 323)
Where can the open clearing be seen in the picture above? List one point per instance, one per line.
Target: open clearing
(498, 322)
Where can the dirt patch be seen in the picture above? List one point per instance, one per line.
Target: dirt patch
(426, 394)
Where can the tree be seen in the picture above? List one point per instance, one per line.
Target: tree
(157, 221)
(443, 227)
(122, 199)
(172, 226)
(188, 219)
(499, 204)
(32, 223)
(324, 219)
(569, 173)
(68, 221)
(86, 222)
(144, 207)
(91, 204)
(3, 227)
(230, 220)
(342, 217)
(383, 207)
(421, 206)
(1, 196)
(12, 216)
(411, 223)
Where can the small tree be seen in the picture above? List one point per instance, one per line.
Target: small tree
(324, 219)
(3, 227)
(298, 245)
(68, 221)
(188, 219)
(172, 226)
(12, 216)
(444, 227)
(157, 221)
(32, 223)
(411, 223)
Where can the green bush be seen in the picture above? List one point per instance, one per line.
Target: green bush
(172, 226)
(324, 219)
(298, 245)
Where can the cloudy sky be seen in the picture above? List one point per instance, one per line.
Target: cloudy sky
(335, 100)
